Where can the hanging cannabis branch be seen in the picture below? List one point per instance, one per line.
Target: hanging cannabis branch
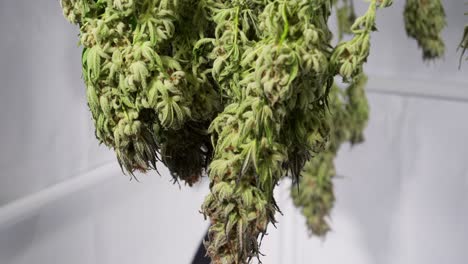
(251, 153)
(242, 90)
(424, 21)
(346, 16)
(314, 195)
(349, 114)
(148, 87)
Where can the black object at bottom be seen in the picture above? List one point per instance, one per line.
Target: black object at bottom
(200, 257)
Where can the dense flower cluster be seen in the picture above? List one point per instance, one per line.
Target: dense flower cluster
(147, 87)
(242, 87)
(424, 21)
(314, 193)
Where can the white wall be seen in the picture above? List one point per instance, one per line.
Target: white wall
(46, 129)
(403, 198)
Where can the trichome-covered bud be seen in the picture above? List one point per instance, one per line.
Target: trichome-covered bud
(348, 57)
(314, 193)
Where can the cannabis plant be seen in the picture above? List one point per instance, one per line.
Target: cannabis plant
(424, 21)
(241, 90)
(148, 86)
(314, 193)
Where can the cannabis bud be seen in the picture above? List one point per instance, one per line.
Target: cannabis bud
(314, 193)
(241, 89)
(424, 21)
(146, 87)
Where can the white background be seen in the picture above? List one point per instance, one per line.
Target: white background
(402, 197)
